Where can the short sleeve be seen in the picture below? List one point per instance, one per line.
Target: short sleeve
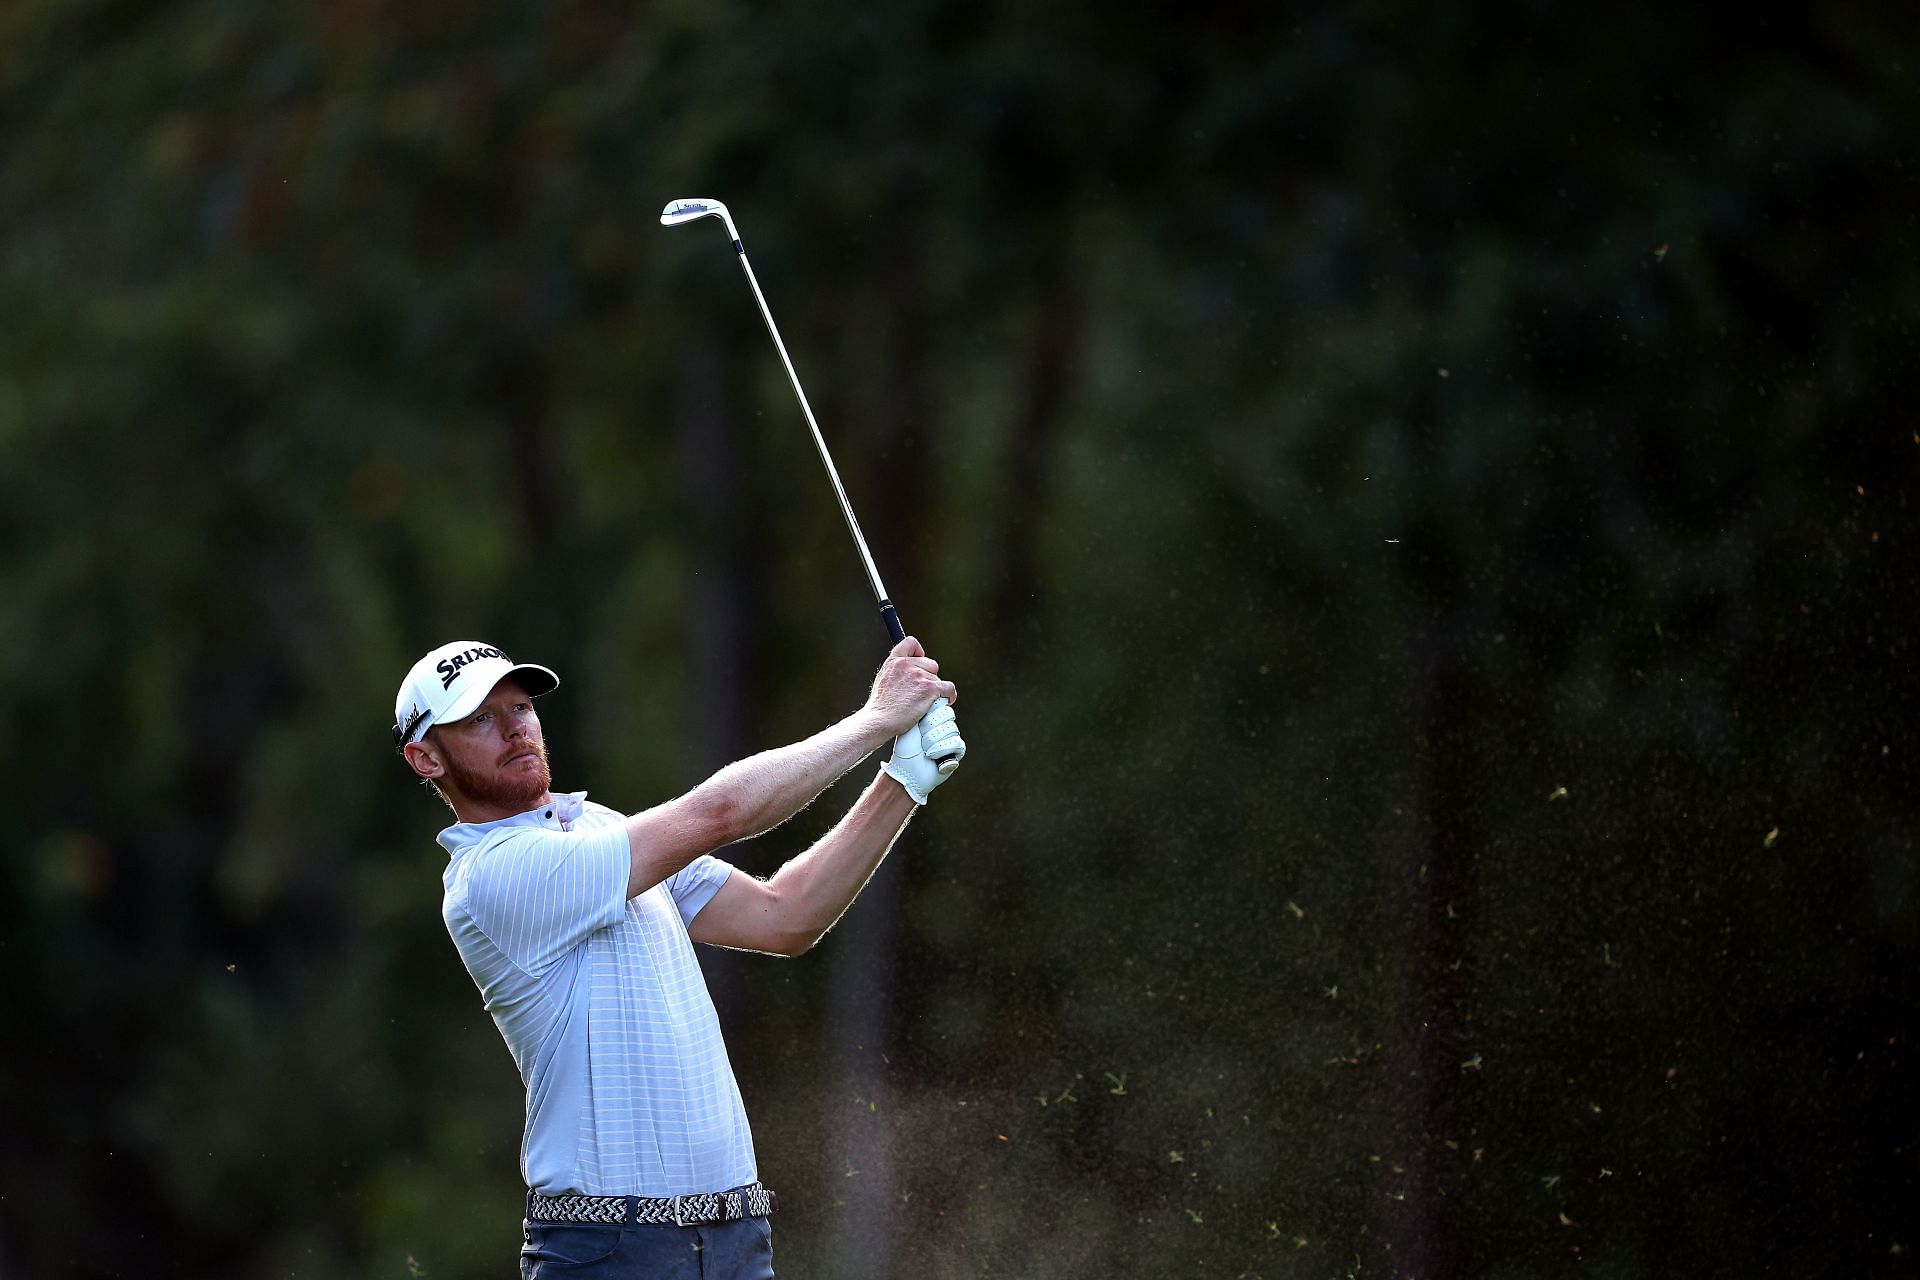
(694, 885)
(538, 894)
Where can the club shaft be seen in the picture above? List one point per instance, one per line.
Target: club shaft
(888, 614)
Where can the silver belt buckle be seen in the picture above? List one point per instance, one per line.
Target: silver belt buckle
(677, 1220)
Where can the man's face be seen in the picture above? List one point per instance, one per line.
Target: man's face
(495, 759)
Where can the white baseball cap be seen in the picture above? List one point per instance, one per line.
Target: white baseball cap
(452, 680)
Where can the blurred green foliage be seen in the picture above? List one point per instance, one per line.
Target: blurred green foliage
(1419, 499)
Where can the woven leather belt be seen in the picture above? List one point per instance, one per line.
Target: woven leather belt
(751, 1201)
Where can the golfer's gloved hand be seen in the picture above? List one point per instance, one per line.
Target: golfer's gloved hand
(927, 754)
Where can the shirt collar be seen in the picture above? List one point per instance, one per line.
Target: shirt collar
(557, 815)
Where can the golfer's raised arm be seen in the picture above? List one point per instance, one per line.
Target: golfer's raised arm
(761, 792)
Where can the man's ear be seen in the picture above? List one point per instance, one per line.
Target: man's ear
(424, 759)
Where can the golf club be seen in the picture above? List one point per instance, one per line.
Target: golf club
(690, 209)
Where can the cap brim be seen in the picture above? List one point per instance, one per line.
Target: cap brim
(535, 679)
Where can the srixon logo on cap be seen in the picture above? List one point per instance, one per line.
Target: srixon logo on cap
(450, 667)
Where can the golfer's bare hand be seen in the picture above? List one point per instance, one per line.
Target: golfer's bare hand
(906, 686)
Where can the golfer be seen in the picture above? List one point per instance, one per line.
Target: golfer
(577, 924)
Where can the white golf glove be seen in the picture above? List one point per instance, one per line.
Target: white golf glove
(927, 754)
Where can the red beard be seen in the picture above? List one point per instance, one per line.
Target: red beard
(516, 791)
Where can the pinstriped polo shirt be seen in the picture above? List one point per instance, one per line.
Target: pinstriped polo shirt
(600, 999)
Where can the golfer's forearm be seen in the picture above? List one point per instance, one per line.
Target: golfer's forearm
(816, 888)
(763, 791)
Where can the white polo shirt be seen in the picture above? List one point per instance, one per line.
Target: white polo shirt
(600, 998)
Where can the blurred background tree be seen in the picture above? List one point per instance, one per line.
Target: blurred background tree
(1420, 501)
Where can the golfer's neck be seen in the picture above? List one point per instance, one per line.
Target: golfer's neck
(482, 811)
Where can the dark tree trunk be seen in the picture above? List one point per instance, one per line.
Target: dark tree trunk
(1051, 360)
(520, 391)
(720, 610)
(895, 432)
(1433, 1057)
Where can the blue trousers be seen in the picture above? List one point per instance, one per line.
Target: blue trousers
(740, 1250)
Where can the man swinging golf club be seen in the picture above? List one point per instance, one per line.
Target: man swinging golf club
(577, 924)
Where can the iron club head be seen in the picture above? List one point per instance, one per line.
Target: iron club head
(692, 207)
